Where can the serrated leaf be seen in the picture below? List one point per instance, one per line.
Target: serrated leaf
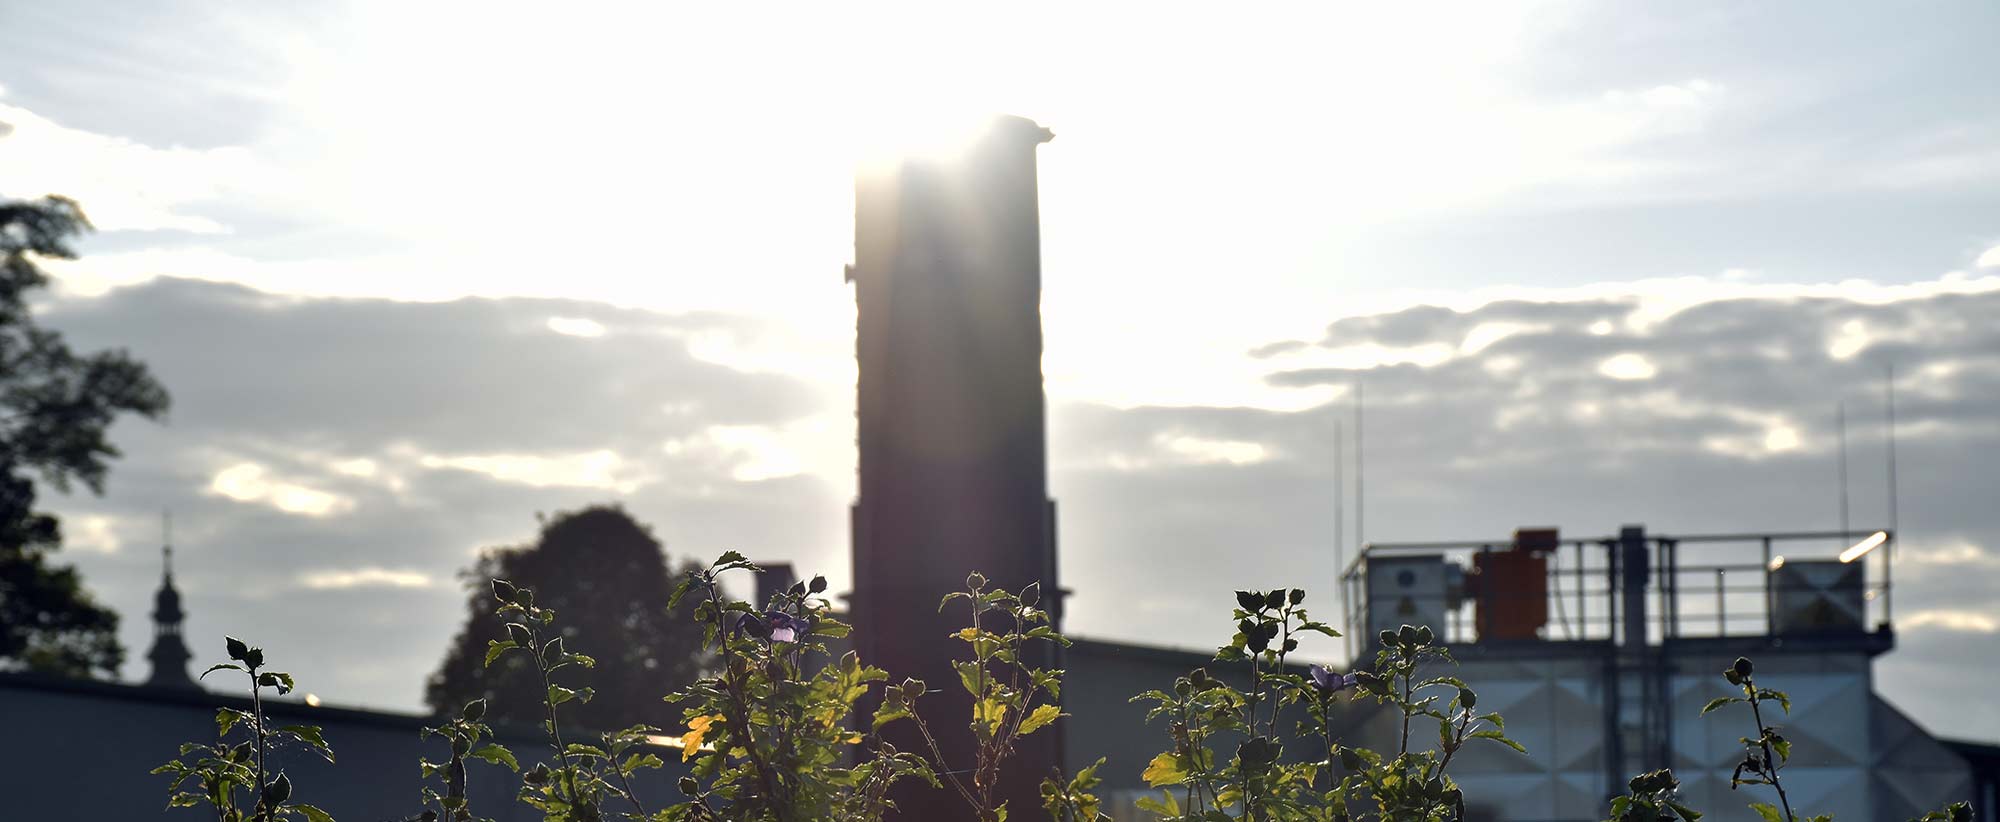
(498, 756)
(218, 667)
(1165, 769)
(639, 760)
(697, 728)
(1500, 738)
(225, 719)
(310, 734)
(1042, 715)
(494, 648)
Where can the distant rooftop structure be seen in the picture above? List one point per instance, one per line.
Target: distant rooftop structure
(170, 654)
(1601, 652)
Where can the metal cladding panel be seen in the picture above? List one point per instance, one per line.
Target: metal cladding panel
(1552, 706)
(1818, 596)
(1828, 726)
(1912, 773)
(1407, 590)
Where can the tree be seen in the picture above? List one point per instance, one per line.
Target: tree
(55, 407)
(608, 580)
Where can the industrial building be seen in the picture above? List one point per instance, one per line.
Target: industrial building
(1601, 653)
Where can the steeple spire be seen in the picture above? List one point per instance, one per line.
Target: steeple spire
(169, 654)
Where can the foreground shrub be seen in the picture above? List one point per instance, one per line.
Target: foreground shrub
(773, 735)
(222, 772)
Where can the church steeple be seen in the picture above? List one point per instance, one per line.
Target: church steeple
(169, 654)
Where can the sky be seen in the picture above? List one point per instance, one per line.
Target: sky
(414, 274)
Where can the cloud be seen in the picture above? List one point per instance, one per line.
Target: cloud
(1628, 366)
(352, 455)
(370, 577)
(1732, 429)
(1961, 621)
(249, 482)
(576, 326)
(1990, 258)
(599, 469)
(123, 185)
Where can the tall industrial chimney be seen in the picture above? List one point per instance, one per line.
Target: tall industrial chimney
(947, 274)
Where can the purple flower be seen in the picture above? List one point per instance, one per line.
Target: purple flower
(1329, 682)
(786, 627)
(773, 626)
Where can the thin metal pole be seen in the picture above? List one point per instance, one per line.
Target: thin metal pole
(1582, 612)
(1840, 424)
(1721, 607)
(1895, 529)
(1360, 501)
(1770, 619)
(1339, 510)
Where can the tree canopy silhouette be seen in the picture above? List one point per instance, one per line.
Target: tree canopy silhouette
(608, 580)
(55, 407)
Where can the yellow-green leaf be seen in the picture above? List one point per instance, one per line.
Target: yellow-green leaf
(691, 741)
(1165, 769)
(1042, 715)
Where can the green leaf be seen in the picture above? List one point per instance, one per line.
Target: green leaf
(1042, 715)
(1500, 738)
(222, 667)
(238, 649)
(227, 718)
(1687, 814)
(1769, 814)
(969, 675)
(559, 694)
(499, 756)
(890, 711)
(1718, 702)
(310, 734)
(640, 760)
(313, 814)
(494, 648)
(1165, 769)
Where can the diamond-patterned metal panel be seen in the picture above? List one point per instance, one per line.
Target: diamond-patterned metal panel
(1912, 773)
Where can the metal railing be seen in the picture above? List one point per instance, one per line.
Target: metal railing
(1701, 585)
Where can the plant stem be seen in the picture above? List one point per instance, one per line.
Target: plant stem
(1764, 738)
(1406, 677)
(740, 703)
(555, 730)
(630, 795)
(257, 714)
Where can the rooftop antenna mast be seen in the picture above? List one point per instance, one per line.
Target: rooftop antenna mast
(1895, 533)
(1360, 509)
(1840, 424)
(1341, 531)
(167, 539)
(1339, 506)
